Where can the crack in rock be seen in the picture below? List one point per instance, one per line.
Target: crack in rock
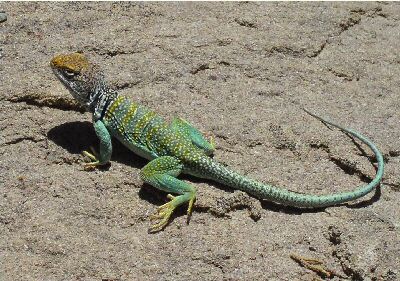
(40, 100)
(202, 67)
(21, 139)
(246, 23)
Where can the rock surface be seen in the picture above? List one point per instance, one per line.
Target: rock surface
(241, 71)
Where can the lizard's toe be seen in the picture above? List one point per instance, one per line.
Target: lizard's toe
(162, 214)
(93, 156)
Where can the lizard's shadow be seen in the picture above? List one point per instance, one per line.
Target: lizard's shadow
(78, 136)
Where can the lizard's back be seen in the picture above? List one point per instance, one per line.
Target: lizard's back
(145, 132)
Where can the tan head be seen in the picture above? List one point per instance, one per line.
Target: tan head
(81, 77)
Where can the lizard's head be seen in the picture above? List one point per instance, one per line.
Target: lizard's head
(82, 78)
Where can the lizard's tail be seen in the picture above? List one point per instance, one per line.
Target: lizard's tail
(226, 176)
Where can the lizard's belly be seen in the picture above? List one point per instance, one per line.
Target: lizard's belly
(138, 149)
(128, 141)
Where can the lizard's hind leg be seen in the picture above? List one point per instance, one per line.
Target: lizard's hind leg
(161, 173)
(197, 138)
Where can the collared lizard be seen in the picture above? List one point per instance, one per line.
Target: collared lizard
(174, 148)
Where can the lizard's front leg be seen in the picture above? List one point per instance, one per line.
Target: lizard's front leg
(161, 173)
(105, 146)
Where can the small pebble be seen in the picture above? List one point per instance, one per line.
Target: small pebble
(3, 17)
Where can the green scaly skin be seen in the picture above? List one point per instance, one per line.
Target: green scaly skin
(174, 148)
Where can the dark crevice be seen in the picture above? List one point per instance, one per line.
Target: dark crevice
(286, 51)
(167, 35)
(318, 52)
(349, 168)
(238, 200)
(394, 186)
(245, 23)
(344, 76)
(334, 235)
(38, 100)
(322, 146)
(126, 85)
(114, 52)
(370, 13)
(299, 53)
(342, 256)
(200, 68)
(254, 143)
(354, 19)
(351, 21)
(224, 63)
(394, 153)
(20, 139)
(353, 274)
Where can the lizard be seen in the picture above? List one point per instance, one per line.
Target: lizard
(176, 147)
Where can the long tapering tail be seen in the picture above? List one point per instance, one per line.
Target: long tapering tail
(226, 176)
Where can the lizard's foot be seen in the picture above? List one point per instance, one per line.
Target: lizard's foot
(163, 214)
(190, 208)
(161, 173)
(92, 156)
(165, 211)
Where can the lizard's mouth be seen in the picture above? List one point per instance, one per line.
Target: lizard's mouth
(65, 82)
(59, 75)
(56, 72)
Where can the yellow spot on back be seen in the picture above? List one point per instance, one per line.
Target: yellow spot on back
(141, 124)
(114, 106)
(132, 109)
(74, 62)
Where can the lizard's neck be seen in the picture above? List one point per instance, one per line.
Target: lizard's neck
(100, 99)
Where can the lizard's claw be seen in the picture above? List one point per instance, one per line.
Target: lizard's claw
(162, 214)
(190, 209)
(94, 157)
(91, 165)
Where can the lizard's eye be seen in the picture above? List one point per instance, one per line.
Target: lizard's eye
(69, 74)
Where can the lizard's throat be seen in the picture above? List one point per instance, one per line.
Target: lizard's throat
(100, 100)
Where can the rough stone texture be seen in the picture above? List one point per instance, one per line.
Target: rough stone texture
(241, 71)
